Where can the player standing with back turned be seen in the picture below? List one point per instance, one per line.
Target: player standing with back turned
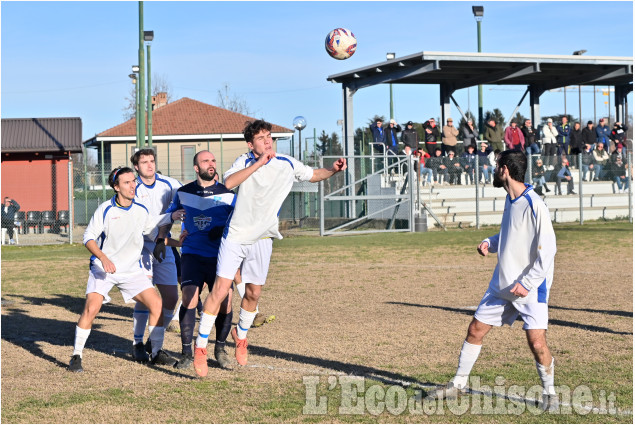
(526, 247)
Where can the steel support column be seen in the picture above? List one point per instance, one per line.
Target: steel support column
(534, 103)
(349, 145)
(445, 92)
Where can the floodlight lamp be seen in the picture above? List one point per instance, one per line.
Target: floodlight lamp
(148, 35)
(135, 69)
(390, 56)
(478, 12)
(579, 52)
(133, 77)
(299, 123)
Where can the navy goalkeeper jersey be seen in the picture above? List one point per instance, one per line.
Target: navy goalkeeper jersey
(206, 208)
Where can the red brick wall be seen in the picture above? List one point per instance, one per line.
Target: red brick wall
(36, 183)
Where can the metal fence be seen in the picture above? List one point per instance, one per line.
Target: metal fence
(465, 197)
(378, 198)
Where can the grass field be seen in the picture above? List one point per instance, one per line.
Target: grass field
(364, 323)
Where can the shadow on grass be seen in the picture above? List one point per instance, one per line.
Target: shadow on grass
(556, 322)
(592, 310)
(28, 332)
(76, 305)
(348, 368)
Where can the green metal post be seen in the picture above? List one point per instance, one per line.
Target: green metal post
(149, 102)
(480, 86)
(103, 177)
(221, 155)
(142, 80)
(137, 111)
(85, 185)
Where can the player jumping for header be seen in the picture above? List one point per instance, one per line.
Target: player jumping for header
(265, 179)
(526, 247)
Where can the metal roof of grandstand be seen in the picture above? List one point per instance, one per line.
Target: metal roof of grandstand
(461, 70)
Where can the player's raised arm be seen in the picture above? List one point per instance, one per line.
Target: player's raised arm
(234, 180)
(324, 173)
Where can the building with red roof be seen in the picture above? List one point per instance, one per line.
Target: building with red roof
(179, 130)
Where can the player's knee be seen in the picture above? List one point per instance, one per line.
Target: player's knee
(538, 346)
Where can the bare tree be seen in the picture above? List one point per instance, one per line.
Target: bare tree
(232, 101)
(160, 84)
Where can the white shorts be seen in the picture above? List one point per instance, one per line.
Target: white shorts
(496, 311)
(255, 260)
(130, 284)
(163, 273)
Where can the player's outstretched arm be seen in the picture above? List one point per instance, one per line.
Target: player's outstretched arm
(324, 173)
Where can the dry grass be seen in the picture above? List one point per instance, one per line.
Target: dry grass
(395, 307)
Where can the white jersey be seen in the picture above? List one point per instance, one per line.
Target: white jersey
(119, 232)
(261, 196)
(526, 247)
(156, 198)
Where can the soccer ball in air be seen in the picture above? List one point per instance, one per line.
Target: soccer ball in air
(340, 43)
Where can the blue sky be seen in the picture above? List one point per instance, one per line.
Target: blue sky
(73, 58)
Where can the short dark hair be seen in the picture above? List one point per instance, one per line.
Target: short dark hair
(516, 163)
(134, 159)
(113, 178)
(254, 127)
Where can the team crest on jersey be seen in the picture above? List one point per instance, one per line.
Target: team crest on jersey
(202, 221)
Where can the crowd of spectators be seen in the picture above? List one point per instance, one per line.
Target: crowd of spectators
(554, 148)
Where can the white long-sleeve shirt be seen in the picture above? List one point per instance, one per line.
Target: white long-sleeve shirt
(526, 247)
(156, 198)
(260, 197)
(119, 232)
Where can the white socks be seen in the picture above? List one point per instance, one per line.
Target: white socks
(245, 320)
(81, 335)
(546, 377)
(467, 358)
(204, 328)
(156, 338)
(139, 321)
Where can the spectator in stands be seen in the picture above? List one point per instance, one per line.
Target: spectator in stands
(549, 135)
(619, 174)
(484, 166)
(439, 169)
(564, 131)
(9, 208)
(588, 162)
(453, 164)
(588, 135)
(603, 133)
(410, 138)
(470, 135)
(494, 135)
(468, 161)
(379, 136)
(619, 153)
(426, 173)
(514, 138)
(530, 134)
(538, 177)
(449, 137)
(392, 141)
(431, 135)
(575, 143)
(564, 174)
(618, 135)
(601, 158)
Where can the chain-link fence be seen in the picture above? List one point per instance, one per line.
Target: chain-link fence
(451, 192)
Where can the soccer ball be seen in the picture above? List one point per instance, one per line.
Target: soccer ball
(340, 43)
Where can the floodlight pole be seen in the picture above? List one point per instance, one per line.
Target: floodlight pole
(478, 12)
(142, 93)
